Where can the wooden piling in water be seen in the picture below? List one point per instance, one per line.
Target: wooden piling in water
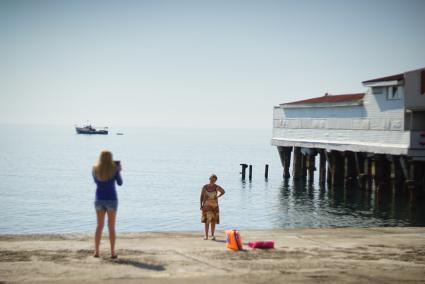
(350, 168)
(322, 166)
(337, 168)
(296, 167)
(398, 173)
(243, 172)
(417, 169)
(266, 171)
(328, 168)
(287, 163)
(369, 165)
(386, 172)
(382, 171)
(359, 159)
(311, 157)
(285, 158)
(303, 165)
(250, 172)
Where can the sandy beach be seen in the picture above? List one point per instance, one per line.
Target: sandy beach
(331, 255)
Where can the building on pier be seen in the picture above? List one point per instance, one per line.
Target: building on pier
(386, 122)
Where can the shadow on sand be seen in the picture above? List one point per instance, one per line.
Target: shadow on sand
(138, 264)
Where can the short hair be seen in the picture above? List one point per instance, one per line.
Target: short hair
(213, 176)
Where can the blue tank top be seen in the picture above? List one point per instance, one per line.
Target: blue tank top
(105, 190)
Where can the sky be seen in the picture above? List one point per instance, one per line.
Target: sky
(200, 64)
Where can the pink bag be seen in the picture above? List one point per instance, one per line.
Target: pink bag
(269, 244)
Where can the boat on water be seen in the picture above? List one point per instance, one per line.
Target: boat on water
(89, 129)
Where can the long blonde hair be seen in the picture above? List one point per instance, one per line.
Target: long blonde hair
(105, 168)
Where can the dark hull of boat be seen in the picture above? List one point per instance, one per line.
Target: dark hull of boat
(85, 131)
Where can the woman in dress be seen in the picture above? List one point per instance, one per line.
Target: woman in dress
(209, 205)
(105, 174)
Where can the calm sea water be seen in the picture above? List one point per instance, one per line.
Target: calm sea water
(46, 184)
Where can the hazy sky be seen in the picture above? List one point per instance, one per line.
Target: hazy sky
(206, 64)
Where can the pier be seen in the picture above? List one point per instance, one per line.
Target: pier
(374, 139)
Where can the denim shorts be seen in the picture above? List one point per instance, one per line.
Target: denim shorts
(106, 205)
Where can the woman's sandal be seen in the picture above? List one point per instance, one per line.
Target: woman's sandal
(213, 238)
(114, 256)
(96, 255)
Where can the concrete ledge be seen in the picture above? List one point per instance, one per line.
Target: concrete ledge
(332, 255)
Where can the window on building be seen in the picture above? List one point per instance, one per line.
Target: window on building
(393, 93)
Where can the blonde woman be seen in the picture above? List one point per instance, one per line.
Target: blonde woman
(209, 205)
(105, 174)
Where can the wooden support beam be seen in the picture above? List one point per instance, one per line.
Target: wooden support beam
(363, 176)
(287, 164)
(285, 159)
(338, 173)
(266, 171)
(359, 159)
(322, 166)
(311, 165)
(243, 172)
(296, 167)
(398, 173)
(328, 156)
(416, 182)
(350, 168)
(404, 167)
(407, 173)
(368, 172)
(303, 165)
(281, 151)
(417, 175)
(336, 168)
(382, 171)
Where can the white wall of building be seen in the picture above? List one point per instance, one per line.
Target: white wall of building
(376, 113)
(376, 124)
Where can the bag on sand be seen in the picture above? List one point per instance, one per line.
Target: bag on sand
(233, 240)
(269, 244)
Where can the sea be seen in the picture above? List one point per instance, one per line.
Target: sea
(46, 184)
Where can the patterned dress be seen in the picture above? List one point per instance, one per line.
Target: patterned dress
(210, 211)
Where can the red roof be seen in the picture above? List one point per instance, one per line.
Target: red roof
(397, 77)
(330, 99)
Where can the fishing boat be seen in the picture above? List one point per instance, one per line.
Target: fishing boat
(89, 129)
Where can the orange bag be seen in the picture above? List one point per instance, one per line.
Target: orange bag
(234, 240)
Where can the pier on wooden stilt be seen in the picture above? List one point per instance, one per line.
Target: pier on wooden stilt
(373, 140)
(354, 169)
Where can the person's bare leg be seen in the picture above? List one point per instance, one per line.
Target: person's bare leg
(206, 230)
(112, 214)
(213, 230)
(100, 214)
